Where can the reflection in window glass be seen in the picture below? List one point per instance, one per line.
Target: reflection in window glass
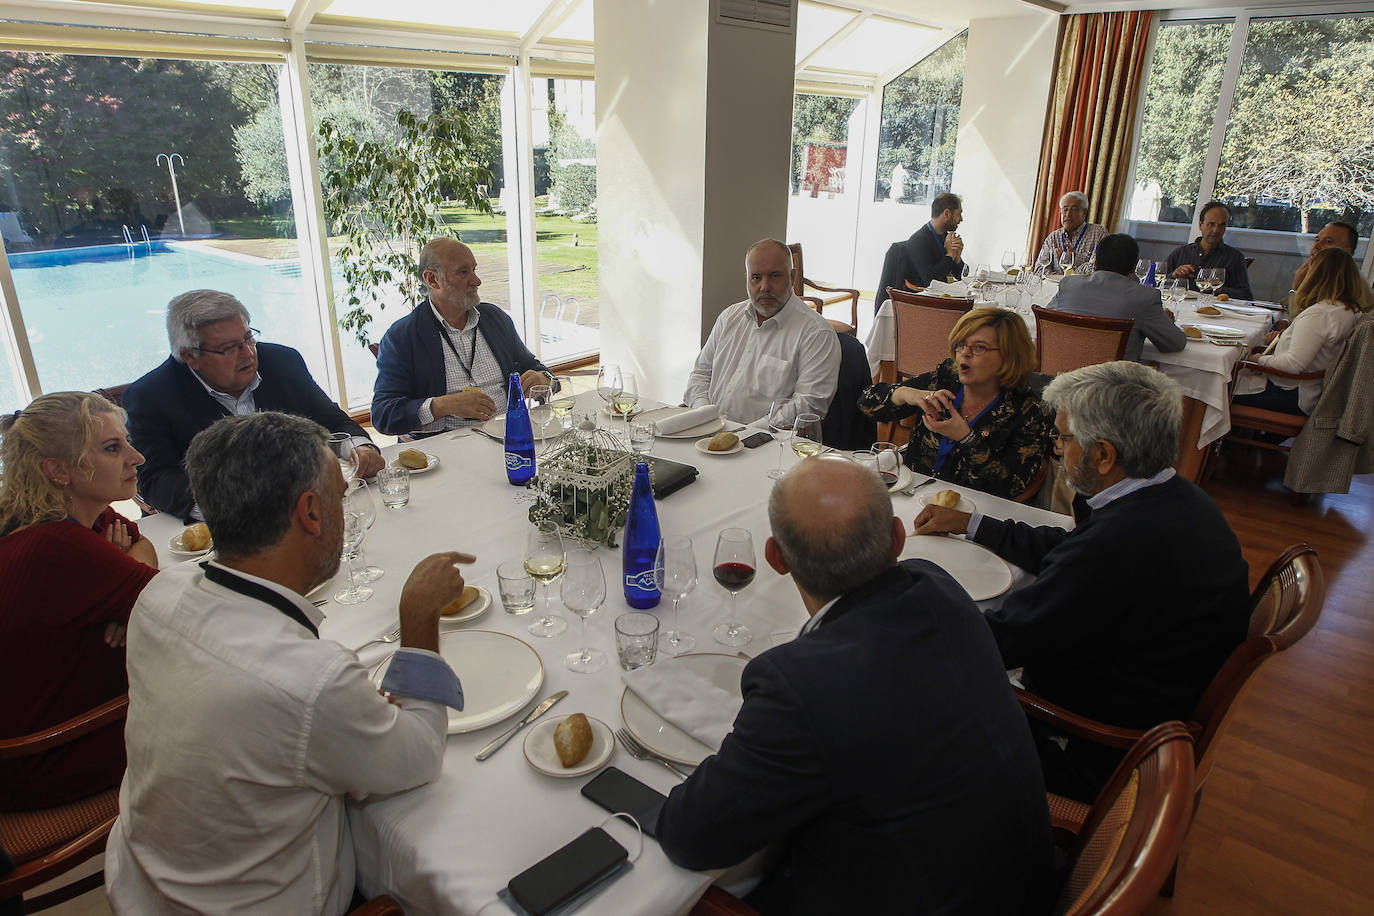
(820, 144)
(129, 181)
(369, 98)
(565, 262)
(1180, 104)
(920, 123)
(1298, 152)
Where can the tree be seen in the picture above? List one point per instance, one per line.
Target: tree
(573, 182)
(817, 117)
(920, 122)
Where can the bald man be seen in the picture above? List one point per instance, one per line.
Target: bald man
(937, 808)
(446, 364)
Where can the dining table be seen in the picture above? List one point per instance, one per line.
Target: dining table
(1203, 368)
(449, 846)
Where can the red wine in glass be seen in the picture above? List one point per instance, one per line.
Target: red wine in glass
(733, 566)
(889, 478)
(734, 577)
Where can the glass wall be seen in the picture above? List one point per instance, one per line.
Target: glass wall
(920, 124)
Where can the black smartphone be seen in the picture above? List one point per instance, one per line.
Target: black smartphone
(756, 440)
(566, 874)
(615, 791)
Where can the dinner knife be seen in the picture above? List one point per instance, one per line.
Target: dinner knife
(509, 733)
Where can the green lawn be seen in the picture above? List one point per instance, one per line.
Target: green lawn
(554, 237)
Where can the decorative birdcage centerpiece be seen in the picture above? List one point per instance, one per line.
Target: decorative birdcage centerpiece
(583, 486)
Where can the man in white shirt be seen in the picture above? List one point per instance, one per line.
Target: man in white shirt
(245, 730)
(768, 349)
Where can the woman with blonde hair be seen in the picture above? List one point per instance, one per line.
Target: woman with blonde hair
(1327, 304)
(981, 425)
(72, 568)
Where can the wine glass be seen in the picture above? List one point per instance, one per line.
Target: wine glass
(1008, 260)
(541, 410)
(583, 590)
(609, 383)
(563, 401)
(1178, 291)
(1218, 280)
(1142, 267)
(806, 435)
(733, 567)
(354, 527)
(888, 462)
(675, 574)
(627, 400)
(544, 561)
(341, 444)
(1066, 261)
(359, 498)
(781, 426)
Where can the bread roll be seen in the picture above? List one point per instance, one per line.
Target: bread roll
(1208, 310)
(946, 499)
(196, 537)
(722, 442)
(414, 459)
(1192, 332)
(572, 739)
(468, 596)
(1223, 298)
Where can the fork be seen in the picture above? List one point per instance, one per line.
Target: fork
(640, 752)
(388, 637)
(913, 487)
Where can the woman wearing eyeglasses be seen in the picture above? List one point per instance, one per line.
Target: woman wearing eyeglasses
(72, 567)
(981, 425)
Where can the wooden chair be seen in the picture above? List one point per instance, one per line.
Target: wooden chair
(1244, 416)
(379, 906)
(921, 327)
(49, 842)
(1127, 845)
(718, 902)
(1065, 341)
(800, 284)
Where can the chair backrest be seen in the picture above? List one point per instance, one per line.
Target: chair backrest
(1289, 597)
(1064, 341)
(798, 288)
(1134, 831)
(845, 426)
(922, 326)
(114, 394)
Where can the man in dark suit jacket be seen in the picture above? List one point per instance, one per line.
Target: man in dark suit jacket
(934, 252)
(446, 365)
(218, 368)
(883, 747)
(1134, 611)
(1112, 291)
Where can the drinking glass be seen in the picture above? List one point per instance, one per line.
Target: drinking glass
(609, 383)
(1178, 291)
(781, 426)
(354, 528)
(544, 561)
(1008, 260)
(636, 640)
(541, 411)
(516, 587)
(1218, 280)
(563, 401)
(888, 462)
(394, 482)
(627, 400)
(675, 574)
(341, 444)
(1066, 261)
(359, 498)
(806, 435)
(583, 590)
(1142, 267)
(733, 567)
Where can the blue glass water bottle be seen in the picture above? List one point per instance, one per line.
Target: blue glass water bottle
(519, 436)
(641, 543)
(1150, 274)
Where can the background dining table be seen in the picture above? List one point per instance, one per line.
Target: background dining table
(448, 847)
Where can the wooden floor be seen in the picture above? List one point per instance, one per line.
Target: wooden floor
(1286, 823)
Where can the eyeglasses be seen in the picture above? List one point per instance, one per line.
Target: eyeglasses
(977, 349)
(234, 349)
(1060, 439)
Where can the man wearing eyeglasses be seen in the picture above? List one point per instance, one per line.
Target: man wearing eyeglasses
(218, 368)
(1076, 235)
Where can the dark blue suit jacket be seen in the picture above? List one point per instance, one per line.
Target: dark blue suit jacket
(919, 259)
(169, 405)
(410, 363)
(886, 751)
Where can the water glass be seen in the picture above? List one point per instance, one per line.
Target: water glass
(516, 587)
(636, 640)
(395, 486)
(642, 437)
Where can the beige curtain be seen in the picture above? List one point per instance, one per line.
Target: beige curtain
(1091, 118)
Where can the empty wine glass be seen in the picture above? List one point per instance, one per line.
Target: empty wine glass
(1178, 291)
(1142, 267)
(341, 444)
(781, 427)
(583, 590)
(609, 384)
(361, 499)
(1218, 280)
(544, 561)
(806, 435)
(354, 528)
(733, 567)
(1008, 260)
(675, 574)
(541, 410)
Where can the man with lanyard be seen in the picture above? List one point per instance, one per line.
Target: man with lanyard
(447, 363)
(1076, 235)
(1208, 251)
(934, 252)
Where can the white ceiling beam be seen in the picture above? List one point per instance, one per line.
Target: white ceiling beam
(554, 15)
(845, 31)
(302, 12)
(882, 13)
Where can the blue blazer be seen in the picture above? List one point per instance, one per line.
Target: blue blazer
(410, 363)
(169, 405)
(919, 259)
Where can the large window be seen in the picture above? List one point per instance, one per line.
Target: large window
(920, 122)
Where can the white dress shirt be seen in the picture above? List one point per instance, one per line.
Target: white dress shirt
(245, 732)
(1310, 344)
(745, 366)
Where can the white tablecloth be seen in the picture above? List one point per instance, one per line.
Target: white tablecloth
(449, 846)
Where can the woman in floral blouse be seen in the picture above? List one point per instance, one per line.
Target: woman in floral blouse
(981, 425)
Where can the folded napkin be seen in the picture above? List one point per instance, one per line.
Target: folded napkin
(692, 703)
(956, 290)
(687, 419)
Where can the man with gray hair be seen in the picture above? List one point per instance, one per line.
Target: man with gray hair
(1134, 611)
(875, 814)
(219, 368)
(1075, 235)
(246, 731)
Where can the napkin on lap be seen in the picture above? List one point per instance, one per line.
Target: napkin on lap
(687, 419)
(692, 703)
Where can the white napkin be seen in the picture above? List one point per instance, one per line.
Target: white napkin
(692, 703)
(956, 290)
(687, 419)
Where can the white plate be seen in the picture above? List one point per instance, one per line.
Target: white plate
(702, 444)
(964, 505)
(1249, 311)
(500, 674)
(496, 427)
(709, 428)
(480, 605)
(433, 463)
(607, 412)
(176, 547)
(540, 753)
(981, 572)
(661, 736)
(1216, 330)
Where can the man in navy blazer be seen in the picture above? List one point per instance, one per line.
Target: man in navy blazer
(883, 747)
(217, 369)
(446, 364)
(934, 252)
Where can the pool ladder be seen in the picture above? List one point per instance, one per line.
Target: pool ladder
(129, 239)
